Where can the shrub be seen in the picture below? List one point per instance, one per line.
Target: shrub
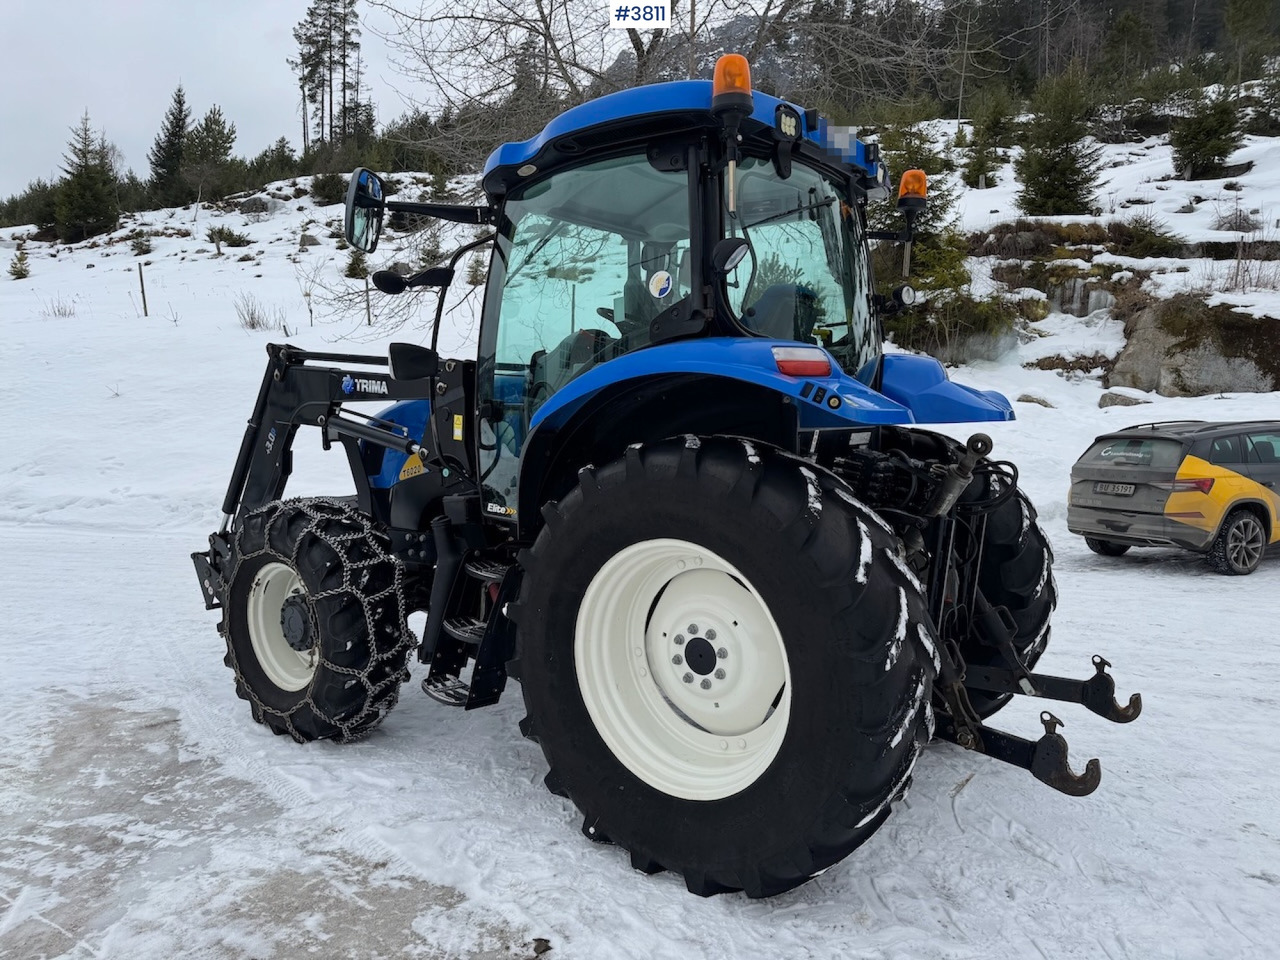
(357, 265)
(328, 188)
(254, 316)
(1204, 139)
(19, 268)
(220, 235)
(1237, 221)
(959, 328)
(1144, 236)
(140, 246)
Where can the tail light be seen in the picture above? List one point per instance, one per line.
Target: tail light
(1203, 484)
(802, 361)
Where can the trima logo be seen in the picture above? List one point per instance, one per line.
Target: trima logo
(351, 384)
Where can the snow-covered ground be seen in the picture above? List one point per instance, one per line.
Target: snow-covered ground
(143, 814)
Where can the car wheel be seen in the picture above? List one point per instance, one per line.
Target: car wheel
(1240, 543)
(1106, 548)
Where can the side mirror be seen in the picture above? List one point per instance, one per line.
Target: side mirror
(364, 210)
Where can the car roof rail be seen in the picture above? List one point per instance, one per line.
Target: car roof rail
(1161, 423)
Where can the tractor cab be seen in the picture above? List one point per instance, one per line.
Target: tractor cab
(697, 247)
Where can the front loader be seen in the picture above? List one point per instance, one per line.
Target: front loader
(680, 494)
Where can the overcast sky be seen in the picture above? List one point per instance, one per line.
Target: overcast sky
(122, 59)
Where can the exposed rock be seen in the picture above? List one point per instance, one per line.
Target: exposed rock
(255, 205)
(1032, 398)
(1185, 348)
(1113, 399)
(307, 240)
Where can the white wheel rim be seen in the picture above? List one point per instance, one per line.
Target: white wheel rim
(694, 729)
(287, 668)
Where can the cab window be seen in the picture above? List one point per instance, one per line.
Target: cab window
(805, 276)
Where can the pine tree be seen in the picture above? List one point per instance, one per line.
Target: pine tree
(86, 203)
(167, 184)
(207, 154)
(347, 42)
(1204, 139)
(477, 271)
(1057, 166)
(313, 42)
(328, 67)
(19, 268)
(357, 266)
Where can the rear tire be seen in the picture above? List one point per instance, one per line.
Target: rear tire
(1106, 548)
(315, 620)
(1240, 544)
(1017, 574)
(689, 765)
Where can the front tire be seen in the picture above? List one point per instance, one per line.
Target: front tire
(725, 661)
(315, 620)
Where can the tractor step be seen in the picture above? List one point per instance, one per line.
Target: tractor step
(486, 570)
(469, 630)
(450, 691)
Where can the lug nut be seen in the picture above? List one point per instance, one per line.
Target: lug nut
(679, 639)
(687, 678)
(722, 653)
(677, 659)
(720, 674)
(711, 634)
(693, 628)
(706, 684)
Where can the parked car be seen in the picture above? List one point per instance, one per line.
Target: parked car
(1213, 488)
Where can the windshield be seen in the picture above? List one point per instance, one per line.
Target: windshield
(805, 277)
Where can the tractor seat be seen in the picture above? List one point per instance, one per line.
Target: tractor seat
(581, 350)
(785, 311)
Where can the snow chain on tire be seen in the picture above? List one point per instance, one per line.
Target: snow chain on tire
(357, 610)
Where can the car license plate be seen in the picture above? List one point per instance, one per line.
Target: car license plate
(1116, 489)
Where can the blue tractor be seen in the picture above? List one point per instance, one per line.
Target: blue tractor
(680, 494)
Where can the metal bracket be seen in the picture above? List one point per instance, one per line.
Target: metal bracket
(1045, 758)
(1097, 694)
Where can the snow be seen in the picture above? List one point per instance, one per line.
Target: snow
(143, 814)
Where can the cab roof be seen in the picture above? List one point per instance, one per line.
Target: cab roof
(656, 102)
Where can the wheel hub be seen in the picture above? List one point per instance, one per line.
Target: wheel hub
(683, 669)
(296, 623)
(700, 656)
(278, 617)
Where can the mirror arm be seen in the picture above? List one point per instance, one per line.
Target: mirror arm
(444, 211)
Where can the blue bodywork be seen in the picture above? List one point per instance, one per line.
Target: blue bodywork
(915, 389)
(658, 98)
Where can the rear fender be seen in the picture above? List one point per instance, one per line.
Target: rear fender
(643, 411)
